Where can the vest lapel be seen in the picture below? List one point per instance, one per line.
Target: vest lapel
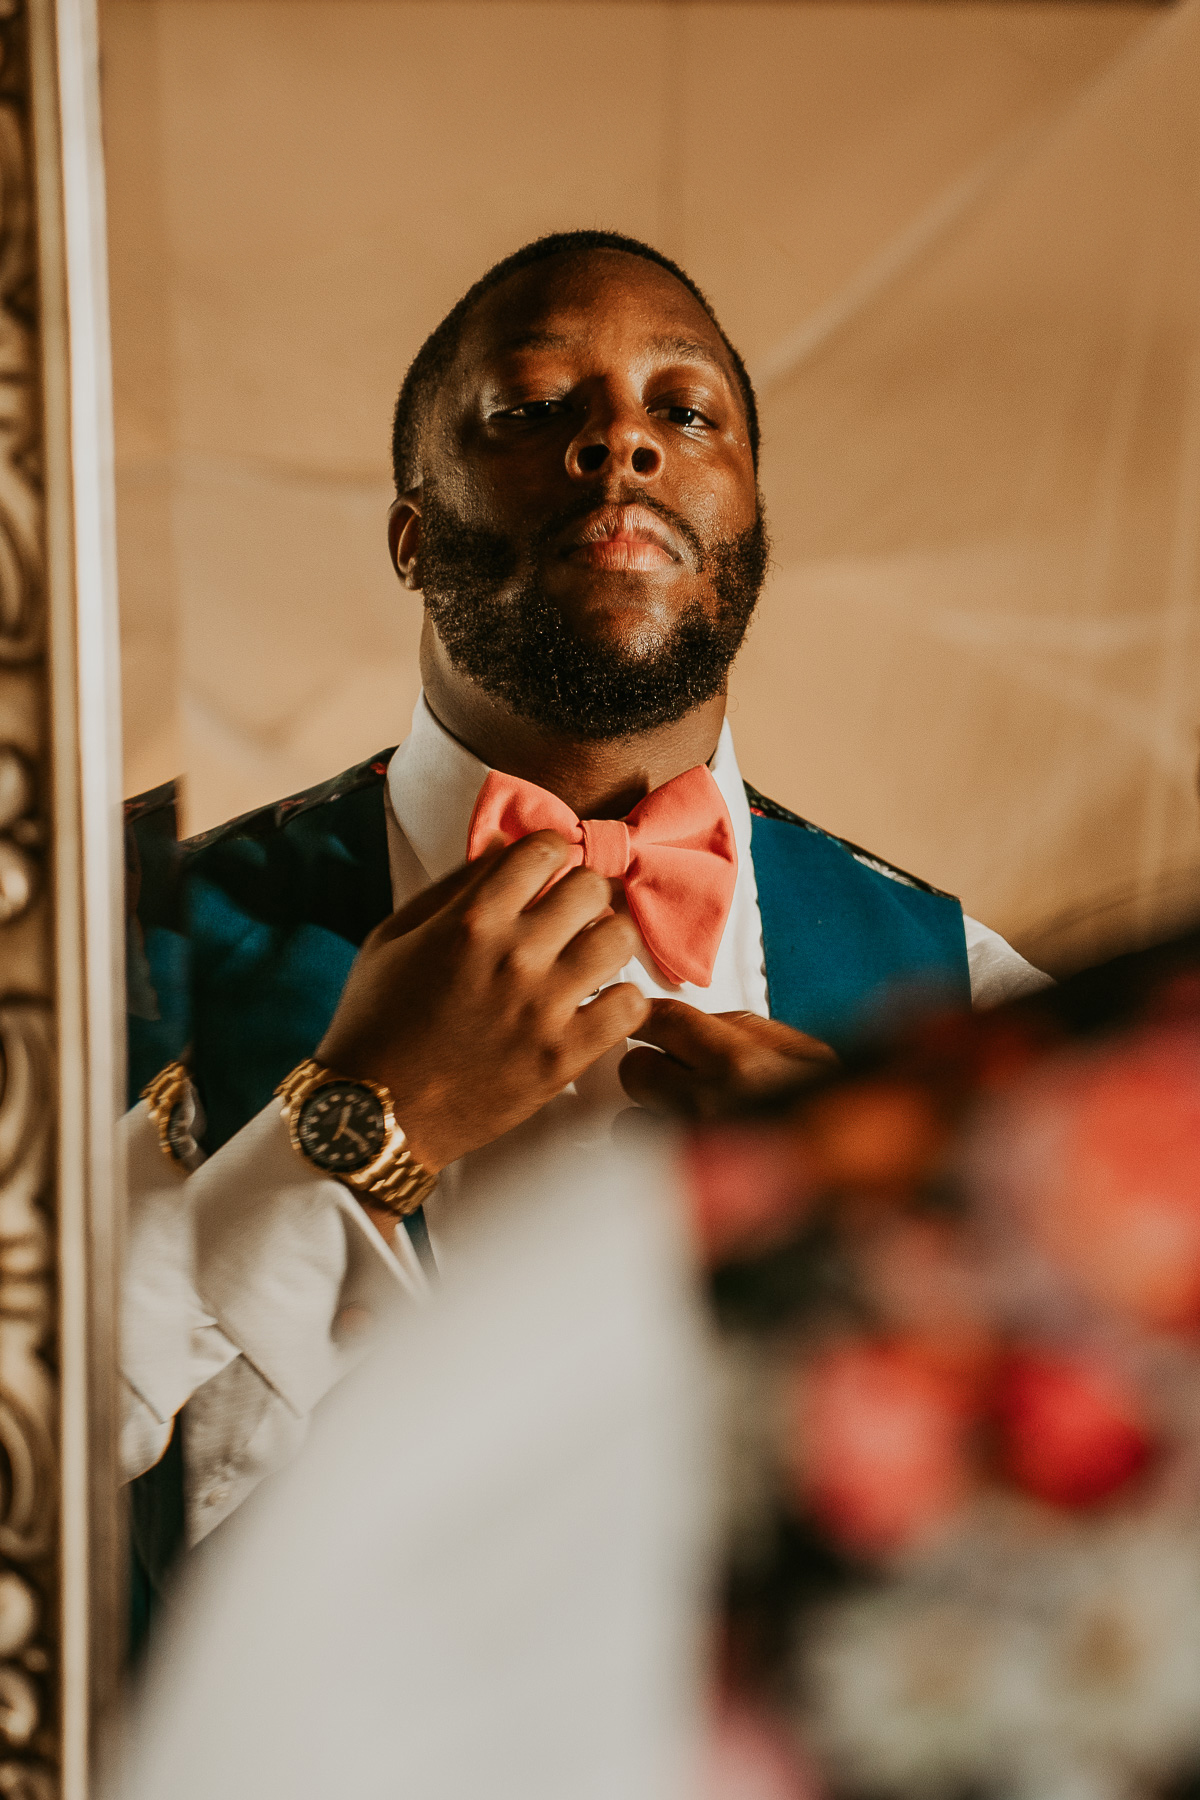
(278, 905)
(845, 943)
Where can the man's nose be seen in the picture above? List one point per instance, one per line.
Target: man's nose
(619, 443)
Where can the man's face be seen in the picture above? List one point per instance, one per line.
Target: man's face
(592, 545)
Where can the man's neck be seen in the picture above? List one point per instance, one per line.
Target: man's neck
(598, 781)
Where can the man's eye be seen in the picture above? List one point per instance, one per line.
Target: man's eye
(533, 409)
(684, 415)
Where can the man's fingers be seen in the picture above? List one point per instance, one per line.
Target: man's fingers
(594, 956)
(615, 1014)
(773, 1034)
(712, 1042)
(713, 1060)
(517, 876)
(490, 873)
(431, 900)
(572, 904)
(699, 1041)
(658, 1083)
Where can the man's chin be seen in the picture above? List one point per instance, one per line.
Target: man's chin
(606, 606)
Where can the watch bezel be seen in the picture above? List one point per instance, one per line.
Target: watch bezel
(319, 1097)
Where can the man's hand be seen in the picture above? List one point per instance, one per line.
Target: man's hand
(714, 1061)
(468, 1003)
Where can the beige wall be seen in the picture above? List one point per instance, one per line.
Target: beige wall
(298, 189)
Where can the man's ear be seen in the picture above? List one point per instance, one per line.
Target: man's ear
(404, 535)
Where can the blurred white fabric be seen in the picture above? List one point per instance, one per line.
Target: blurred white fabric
(485, 1574)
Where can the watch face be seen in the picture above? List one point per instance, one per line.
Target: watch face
(341, 1127)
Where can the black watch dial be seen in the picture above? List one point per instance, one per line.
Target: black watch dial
(341, 1127)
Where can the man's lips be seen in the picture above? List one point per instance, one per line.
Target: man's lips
(621, 537)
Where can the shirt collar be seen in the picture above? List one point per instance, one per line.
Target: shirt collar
(434, 782)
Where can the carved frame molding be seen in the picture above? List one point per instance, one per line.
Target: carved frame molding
(61, 1565)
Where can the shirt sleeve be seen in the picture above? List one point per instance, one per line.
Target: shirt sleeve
(162, 1319)
(251, 1286)
(292, 1274)
(998, 973)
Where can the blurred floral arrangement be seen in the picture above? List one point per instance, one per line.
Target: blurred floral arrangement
(957, 1292)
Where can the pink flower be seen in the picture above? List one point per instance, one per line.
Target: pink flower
(749, 1758)
(1116, 1202)
(879, 1444)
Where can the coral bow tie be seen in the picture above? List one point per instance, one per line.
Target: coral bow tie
(675, 854)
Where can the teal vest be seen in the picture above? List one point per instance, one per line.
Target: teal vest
(241, 939)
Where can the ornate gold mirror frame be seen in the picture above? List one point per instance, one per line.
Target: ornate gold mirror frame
(61, 1558)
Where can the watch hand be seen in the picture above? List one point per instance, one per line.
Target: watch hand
(341, 1125)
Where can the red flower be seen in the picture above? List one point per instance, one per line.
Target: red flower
(1071, 1430)
(880, 1444)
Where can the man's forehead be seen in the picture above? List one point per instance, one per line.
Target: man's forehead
(556, 304)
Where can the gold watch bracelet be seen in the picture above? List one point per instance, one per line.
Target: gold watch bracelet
(171, 1089)
(394, 1181)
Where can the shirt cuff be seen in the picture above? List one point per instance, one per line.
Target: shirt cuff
(282, 1252)
(998, 973)
(144, 1436)
(160, 1310)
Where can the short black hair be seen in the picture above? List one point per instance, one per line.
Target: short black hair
(433, 360)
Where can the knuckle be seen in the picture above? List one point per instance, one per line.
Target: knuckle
(534, 1022)
(613, 941)
(625, 934)
(598, 889)
(516, 965)
(552, 1063)
(632, 1008)
(751, 1069)
(541, 846)
(613, 928)
(472, 924)
(584, 888)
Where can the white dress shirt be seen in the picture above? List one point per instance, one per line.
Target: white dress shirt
(285, 1260)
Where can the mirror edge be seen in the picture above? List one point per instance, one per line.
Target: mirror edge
(61, 1014)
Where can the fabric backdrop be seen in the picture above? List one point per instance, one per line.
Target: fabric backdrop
(958, 245)
(985, 485)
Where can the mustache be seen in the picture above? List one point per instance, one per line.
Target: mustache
(586, 504)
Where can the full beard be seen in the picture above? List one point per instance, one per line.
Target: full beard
(522, 651)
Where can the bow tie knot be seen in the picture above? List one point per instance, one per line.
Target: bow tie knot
(606, 846)
(675, 854)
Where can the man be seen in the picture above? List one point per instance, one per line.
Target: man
(447, 952)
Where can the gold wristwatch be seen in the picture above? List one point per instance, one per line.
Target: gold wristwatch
(348, 1129)
(174, 1105)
